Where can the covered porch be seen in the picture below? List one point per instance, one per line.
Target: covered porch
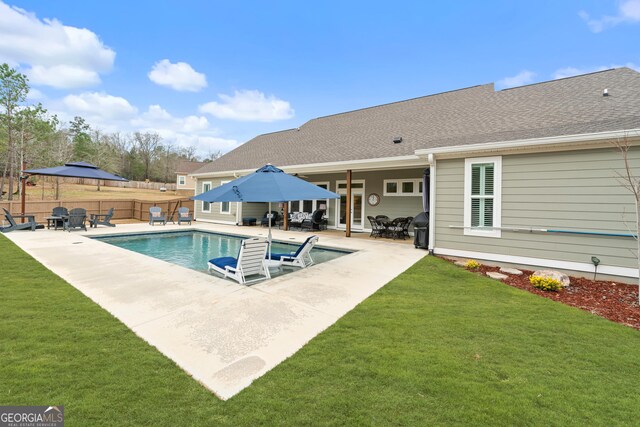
(364, 194)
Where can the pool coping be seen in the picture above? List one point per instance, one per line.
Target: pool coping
(223, 334)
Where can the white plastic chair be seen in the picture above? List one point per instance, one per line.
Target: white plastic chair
(250, 262)
(300, 258)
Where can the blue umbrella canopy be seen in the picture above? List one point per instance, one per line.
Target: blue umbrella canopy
(267, 184)
(76, 170)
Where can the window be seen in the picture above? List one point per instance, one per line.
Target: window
(407, 187)
(225, 207)
(309, 205)
(342, 185)
(181, 180)
(206, 206)
(391, 187)
(402, 187)
(482, 196)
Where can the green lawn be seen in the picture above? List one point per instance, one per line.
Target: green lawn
(437, 345)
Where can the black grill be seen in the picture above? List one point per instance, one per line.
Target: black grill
(421, 230)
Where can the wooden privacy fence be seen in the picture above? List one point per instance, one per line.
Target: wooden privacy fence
(124, 209)
(121, 184)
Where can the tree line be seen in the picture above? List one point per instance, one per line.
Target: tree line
(29, 133)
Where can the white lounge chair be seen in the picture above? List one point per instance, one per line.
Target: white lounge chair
(250, 262)
(300, 258)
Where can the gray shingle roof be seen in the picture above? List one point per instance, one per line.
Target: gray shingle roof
(185, 166)
(474, 115)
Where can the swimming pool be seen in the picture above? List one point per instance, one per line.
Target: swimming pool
(193, 249)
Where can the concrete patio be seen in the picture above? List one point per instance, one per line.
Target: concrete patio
(223, 334)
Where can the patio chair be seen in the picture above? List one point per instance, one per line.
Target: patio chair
(300, 258)
(296, 219)
(102, 219)
(316, 222)
(265, 219)
(58, 215)
(395, 229)
(383, 219)
(156, 215)
(184, 216)
(77, 219)
(250, 262)
(377, 229)
(31, 223)
(408, 222)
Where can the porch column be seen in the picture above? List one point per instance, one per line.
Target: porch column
(285, 212)
(347, 218)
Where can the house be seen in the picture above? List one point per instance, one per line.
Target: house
(183, 180)
(526, 175)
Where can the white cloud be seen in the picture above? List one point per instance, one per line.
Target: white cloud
(52, 54)
(249, 105)
(179, 76)
(35, 95)
(157, 117)
(522, 78)
(62, 76)
(573, 71)
(628, 12)
(115, 114)
(99, 106)
(182, 131)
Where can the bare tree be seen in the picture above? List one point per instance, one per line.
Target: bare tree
(147, 146)
(13, 92)
(189, 153)
(631, 182)
(213, 155)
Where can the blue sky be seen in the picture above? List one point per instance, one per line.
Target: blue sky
(214, 74)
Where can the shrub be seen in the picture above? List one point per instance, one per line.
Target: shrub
(472, 264)
(545, 283)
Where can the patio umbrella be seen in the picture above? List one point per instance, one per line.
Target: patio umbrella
(76, 170)
(72, 170)
(267, 184)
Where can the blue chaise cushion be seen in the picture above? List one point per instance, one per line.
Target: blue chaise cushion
(225, 261)
(290, 256)
(278, 257)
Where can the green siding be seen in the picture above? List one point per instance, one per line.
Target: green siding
(573, 190)
(257, 210)
(215, 214)
(392, 206)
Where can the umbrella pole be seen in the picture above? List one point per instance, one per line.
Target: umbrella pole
(23, 189)
(269, 231)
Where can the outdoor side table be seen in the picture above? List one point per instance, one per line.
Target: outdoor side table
(55, 220)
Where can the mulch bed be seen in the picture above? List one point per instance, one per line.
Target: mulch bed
(614, 301)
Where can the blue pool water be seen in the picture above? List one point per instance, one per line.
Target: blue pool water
(192, 249)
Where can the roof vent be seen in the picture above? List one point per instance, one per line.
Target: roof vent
(605, 92)
(397, 140)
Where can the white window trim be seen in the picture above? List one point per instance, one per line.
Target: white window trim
(497, 198)
(398, 181)
(314, 205)
(202, 209)
(222, 204)
(182, 179)
(353, 181)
